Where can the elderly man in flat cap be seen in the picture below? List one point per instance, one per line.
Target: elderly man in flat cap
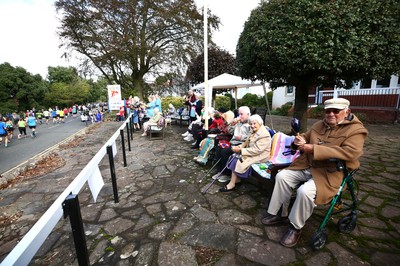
(340, 135)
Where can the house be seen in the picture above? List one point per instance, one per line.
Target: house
(379, 100)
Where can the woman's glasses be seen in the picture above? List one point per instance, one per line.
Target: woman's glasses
(335, 111)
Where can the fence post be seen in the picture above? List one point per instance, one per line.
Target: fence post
(127, 137)
(112, 170)
(121, 132)
(132, 127)
(71, 208)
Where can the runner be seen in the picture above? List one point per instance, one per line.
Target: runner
(46, 115)
(31, 121)
(61, 115)
(39, 116)
(21, 128)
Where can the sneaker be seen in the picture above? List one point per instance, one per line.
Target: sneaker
(194, 143)
(189, 138)
(143, 135)
(185, 134)
(221, 178)
(224, 178)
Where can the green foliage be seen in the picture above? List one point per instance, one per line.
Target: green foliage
(126, 40)
(19, 89)
(284, 109)
(302, 42)
(223, 102)
(219, 62)
(62, 74)
(317, 112)
(253, 100)
(177, 102)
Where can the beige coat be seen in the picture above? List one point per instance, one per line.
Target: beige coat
(255, 150)
(344, 142)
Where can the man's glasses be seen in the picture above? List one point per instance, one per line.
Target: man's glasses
(335, 111)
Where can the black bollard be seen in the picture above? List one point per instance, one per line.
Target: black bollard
(71, 208)
(112, 170)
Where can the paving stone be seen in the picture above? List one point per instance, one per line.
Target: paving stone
(320, 259)
(263, 251)
(203, 214)
(390, 211)
(245, 202)
(217, 236)
(107, 215)
(230, 216)
(117, 226)
(372, 222)
(382, 258)
(344, 257)
(98, 252)
(160, 231)
(176, 254)
(374, 201)
(186, 222)
(146, 254)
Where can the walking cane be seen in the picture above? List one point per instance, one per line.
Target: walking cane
(219, 174)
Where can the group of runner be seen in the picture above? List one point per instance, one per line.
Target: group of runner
(31, 118)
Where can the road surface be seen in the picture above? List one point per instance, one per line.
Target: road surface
(20, 150)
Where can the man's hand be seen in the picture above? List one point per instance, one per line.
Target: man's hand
(306, 148)
(299, 141)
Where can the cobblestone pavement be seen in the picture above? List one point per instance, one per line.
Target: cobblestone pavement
(164, 219)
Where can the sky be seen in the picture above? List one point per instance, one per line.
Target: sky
(29, 38)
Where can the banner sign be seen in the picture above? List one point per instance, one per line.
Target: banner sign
(114, 97)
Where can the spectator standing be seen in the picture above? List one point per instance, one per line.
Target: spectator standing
(190, 98)
(150, 106)
(158, 103)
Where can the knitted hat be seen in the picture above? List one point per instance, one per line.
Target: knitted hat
(228, 116)
(337, 103)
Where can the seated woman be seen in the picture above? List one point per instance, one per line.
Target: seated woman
(152, 121)
(214, 128)
(255, 149)
(171, 110)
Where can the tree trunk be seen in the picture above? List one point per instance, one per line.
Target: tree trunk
(301, 103)
(138, 87)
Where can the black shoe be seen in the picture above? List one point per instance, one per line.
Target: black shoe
(225, 189)
(194, 147)
(273, 219)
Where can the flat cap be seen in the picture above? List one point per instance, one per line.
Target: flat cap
(337, 103)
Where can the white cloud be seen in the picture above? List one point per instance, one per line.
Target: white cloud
(29, 38)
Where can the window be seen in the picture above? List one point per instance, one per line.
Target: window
(289, 90)
(383, 83)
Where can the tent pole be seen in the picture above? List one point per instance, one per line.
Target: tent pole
(236, 98)
(205, 46)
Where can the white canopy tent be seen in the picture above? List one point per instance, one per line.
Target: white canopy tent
(224, 81)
